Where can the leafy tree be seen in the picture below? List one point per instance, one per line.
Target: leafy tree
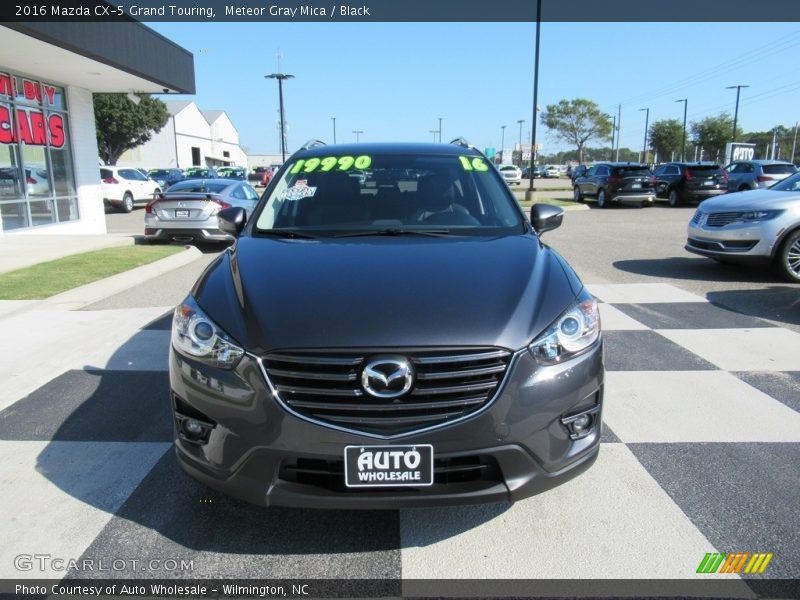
(577, 122)
(712, 133)
(666, 137)
(784, 137)
(122, 124)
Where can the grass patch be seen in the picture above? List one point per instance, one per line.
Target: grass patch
(47, 279)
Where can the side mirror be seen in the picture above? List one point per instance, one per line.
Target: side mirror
(232, 220)
(545, 217)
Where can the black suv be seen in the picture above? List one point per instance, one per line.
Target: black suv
(411, 343)
(623, 183)
(680, 182)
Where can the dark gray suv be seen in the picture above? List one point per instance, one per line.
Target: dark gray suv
(405, 339)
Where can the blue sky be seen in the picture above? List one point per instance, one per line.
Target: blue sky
(393, 80)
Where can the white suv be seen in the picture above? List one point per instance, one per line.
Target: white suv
(123, 187)
(512, 174)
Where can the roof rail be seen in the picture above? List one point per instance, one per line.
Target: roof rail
(312, 144)
(460, 141)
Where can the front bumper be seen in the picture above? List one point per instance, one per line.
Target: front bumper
(513, 448)
(748, 242)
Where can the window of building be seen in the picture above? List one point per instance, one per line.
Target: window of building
(195, 156)
(37, 182)
(226, 154)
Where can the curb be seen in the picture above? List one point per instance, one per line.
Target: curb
(95, 291)
(90, 293)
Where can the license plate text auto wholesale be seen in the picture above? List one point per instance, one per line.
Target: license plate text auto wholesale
(182, 213)
(388, 466)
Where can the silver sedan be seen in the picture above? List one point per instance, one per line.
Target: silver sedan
(187, 211)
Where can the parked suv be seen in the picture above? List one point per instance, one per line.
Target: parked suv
(413, 344)
(757, 226)
(124, 187)
(681, 182)
(625, 183)
(165, 177)
(751, 174)
(511, 173)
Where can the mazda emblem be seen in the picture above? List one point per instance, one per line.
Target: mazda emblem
(387, 376)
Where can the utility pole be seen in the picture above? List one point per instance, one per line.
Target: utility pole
(613, 131)
(281, 77)
(503, 142)
(738, 89)
(619, 129)
(646, 122)
(794, 143)
(520, 121)
(334, 129)
(434, 132)
(358, 133)
(440, 130)
(683, 144)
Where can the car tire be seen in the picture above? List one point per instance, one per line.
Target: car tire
(788, 258)
(674, 198)
(601, 199)
(576, 194)
(743, 188)
(127, 203)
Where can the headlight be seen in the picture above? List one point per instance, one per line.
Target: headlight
(574, 331)
(196, 335)
(759, 215)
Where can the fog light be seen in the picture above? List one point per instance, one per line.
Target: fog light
(581, 424)
(192, 427)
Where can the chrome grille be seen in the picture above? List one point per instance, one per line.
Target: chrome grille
(696, 217)
(722, 219)
(449, 384)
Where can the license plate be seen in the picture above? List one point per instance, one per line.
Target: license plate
(388, 466)
(636, 186)
(182, 213)
(708, 183)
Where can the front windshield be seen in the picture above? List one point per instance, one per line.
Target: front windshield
(790, 184)
(336, 194)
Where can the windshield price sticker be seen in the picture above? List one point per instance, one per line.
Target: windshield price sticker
(298, 191)
(340, 163)
(476, 164)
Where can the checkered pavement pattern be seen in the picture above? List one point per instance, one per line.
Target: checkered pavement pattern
(700, 453)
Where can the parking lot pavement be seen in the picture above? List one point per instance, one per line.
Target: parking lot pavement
(699, 454)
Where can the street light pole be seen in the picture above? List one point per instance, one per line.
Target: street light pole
(334, 129)
(434, 132)
(646, 123)
(440, 130)
(503, 141)
(281, 77)
(520, 121)
(683, 143)
(738, 89)
(358, 133)
(529, 195)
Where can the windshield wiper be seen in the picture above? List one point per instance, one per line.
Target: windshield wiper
(285, 233)
(396, 232)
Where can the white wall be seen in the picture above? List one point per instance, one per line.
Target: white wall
(87, 172)
(158, 152)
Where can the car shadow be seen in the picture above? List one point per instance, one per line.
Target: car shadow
(117, 417)
(779, 302)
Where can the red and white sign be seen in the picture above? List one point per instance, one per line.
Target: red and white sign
(28, 125)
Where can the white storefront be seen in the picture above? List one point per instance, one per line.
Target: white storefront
(49, 177)
(191, 137)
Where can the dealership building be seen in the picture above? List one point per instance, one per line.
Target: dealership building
(191, 137)
(49, 177)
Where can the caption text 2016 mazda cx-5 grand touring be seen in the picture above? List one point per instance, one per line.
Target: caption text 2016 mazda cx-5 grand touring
(387, 331)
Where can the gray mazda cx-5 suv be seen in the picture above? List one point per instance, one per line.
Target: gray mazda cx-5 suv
(387, 331)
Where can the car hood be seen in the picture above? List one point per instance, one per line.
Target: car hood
(750, 200)
(273, 294)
